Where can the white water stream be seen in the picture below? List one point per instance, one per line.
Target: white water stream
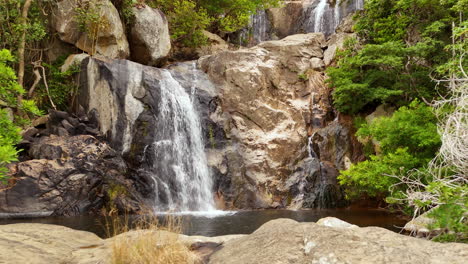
(181, 173)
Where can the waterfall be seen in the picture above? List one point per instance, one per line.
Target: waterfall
(324, 17)
(319, 16)
(337, 14)
(260, 26)
(180, 171)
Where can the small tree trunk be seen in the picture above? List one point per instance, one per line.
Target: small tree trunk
(22, 44)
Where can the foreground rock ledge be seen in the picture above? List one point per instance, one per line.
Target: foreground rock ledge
(330, 240)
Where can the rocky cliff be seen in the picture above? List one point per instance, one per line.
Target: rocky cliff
(271, 136)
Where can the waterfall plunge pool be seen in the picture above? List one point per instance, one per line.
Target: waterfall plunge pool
(227, 223)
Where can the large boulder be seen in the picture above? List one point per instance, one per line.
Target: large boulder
(150, 40)
(284, 20)
(106, 37)
(214, 44)
(136, 106)
(287, 241)
(40, 243)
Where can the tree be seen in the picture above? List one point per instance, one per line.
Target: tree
(188, 18)
(401, 43)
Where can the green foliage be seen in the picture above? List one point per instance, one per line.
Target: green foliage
(370, 176)
(413, 127)
(125, 10)
(9, 88)
(88, 15)
(11, 27)
(62, 87)
(451, 217)
(9, 137)
(232, 15)
(458, 47)
(188, 18)
(403, 41)
(303, 76)
(408, 139)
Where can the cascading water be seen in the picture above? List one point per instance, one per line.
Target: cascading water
(325, 17)
(260, 26)
(318, 16)
(181, 174)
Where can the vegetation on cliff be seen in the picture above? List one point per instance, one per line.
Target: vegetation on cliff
(10, 91)
(188, 18)
(408, 54)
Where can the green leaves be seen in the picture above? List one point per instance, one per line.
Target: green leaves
(188, 18)
(10, 89)
(370, 176)
(408, 140)
(402, 43)
(11, 27)
(9, 137)
(413, 127)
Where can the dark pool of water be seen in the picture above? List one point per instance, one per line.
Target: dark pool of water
(241, 222)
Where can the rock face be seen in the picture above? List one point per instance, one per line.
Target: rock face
(67, 171)
(287, 241)
(297, 17)
(215, 44)
(271, 136)
(41, 244)
(272, 98)
(132, 102)
(106, 38)
(150, 40)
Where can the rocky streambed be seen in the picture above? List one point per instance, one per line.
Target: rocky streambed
(329, 240)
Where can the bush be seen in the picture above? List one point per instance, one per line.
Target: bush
(150, 243)
(10, 89)
(408, 140)
(402, 43)
(9, 92)
(62, 87)
(9, 137)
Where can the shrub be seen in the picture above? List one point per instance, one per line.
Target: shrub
(62, 87)
(150, 243)
(9, 137)
(401, 44)
(408, 140)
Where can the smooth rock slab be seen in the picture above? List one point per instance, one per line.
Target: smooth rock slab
(287, 241)
(39, 243)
